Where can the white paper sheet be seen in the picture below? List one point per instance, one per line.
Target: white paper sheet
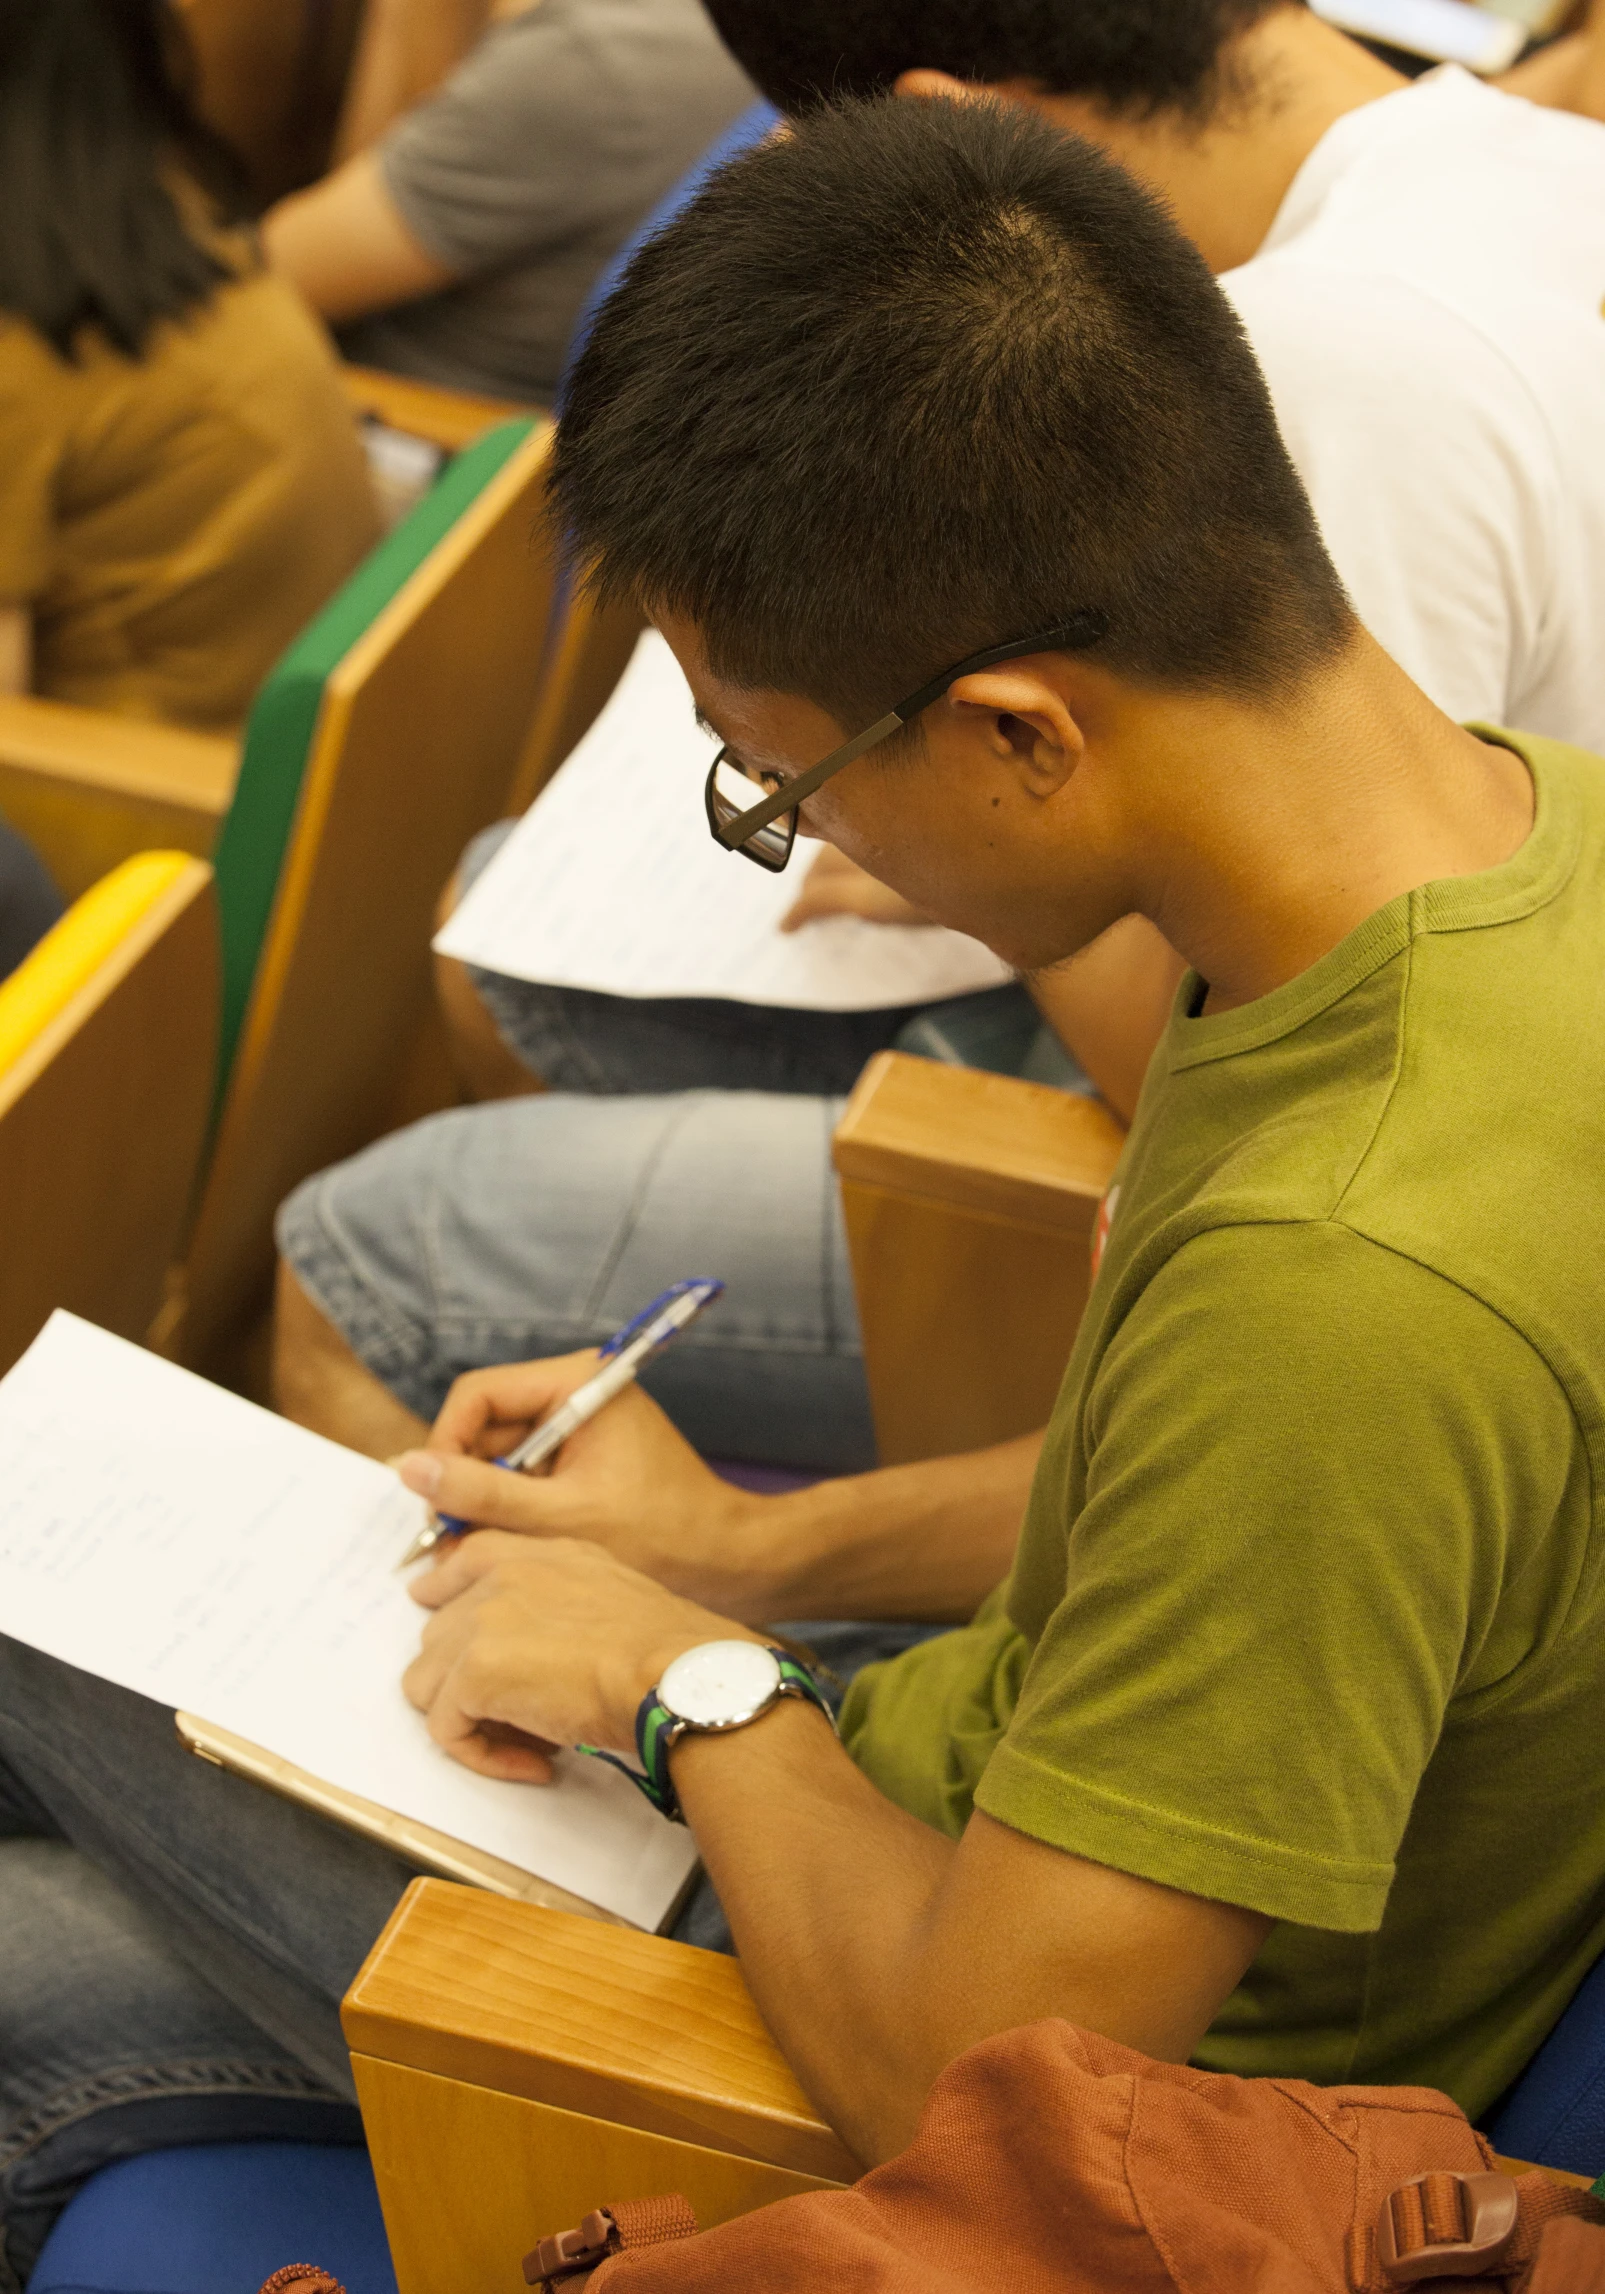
(175, 1539)
(612, 882)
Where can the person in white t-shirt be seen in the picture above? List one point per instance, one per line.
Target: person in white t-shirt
(1420, 268)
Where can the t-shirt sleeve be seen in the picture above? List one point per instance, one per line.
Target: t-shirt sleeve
(31, 444)
(1429, 467)
(1305, 1457)
(537, 135)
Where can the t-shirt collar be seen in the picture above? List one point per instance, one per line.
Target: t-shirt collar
(1528, 880)
(1391, 119)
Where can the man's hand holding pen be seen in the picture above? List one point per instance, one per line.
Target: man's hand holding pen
(557, 1615)
(700, 1537)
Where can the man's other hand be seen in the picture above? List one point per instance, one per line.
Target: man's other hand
(837, 886)
(533, 1647)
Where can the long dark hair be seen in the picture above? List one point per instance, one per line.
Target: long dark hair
(95, 118)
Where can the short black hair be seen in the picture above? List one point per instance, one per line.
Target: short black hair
(96, 118)
(923, 378)
(1129, 56)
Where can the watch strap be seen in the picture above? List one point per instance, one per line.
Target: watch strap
(657, 1731)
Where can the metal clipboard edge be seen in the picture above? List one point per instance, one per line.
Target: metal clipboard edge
(418, 1843)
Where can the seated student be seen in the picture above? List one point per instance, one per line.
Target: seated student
(29, 901)
(467, 221)
(1238, 1763)
(181, 483)
(1374, 234)
(1418, 269)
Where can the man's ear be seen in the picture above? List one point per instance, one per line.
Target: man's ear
(923, 84)
(1025, 717)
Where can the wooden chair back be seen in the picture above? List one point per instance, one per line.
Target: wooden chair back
(108, 1034)
(89, 788)
(588, 650)
(419, 731)
(970, 1202)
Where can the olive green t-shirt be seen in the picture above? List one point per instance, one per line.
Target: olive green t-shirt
(1308, 1611)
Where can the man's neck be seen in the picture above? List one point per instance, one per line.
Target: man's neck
(1274, 833)
(1288, 80)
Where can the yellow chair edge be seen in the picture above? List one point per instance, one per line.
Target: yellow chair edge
(74, 949)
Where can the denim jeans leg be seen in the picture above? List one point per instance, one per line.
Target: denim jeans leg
(178, 1942)
(533, 1226)
(110, 2044)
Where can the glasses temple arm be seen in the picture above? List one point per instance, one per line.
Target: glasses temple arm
(1082, 629)
(793, 794)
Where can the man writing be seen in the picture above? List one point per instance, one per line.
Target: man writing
(1314, 1498)
(1239, 1758)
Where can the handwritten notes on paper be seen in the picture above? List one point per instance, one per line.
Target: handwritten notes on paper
(612, 882)
(181, 1542)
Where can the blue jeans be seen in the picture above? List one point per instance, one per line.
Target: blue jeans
(533, 1226)
(178, 1940)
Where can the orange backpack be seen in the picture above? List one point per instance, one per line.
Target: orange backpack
(1050, 2161)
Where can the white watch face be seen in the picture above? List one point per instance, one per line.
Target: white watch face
(721, 1684)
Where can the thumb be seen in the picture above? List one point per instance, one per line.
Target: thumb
(469, 1489)
(811, 902)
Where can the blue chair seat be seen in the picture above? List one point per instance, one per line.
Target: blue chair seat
(219, 2218)
(1555, 2113)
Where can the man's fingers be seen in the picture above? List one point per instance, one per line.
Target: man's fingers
(432, 1682)
(804, 909)
(489, 1747)
(510, 1394)
(469, 1489)
(462, 1564)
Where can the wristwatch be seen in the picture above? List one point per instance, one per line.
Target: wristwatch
(709, 1690)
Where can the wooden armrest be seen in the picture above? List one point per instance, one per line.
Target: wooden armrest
(450, 419)
(970, 1201)
(89, 788)
(517, 2067)
(587, 2016)
(979, 1142)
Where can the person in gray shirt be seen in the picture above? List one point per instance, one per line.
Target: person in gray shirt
(492, 159)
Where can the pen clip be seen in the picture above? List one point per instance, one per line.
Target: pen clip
(708, 1288)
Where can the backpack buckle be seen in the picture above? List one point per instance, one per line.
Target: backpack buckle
(572, 2251)
(1446, 2226)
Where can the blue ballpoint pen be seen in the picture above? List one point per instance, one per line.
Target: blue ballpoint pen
(622, 1357)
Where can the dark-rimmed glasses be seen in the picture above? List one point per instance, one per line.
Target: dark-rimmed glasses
(766, 831)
